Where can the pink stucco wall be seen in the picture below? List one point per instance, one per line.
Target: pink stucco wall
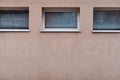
(35, 55)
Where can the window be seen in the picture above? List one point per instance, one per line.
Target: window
(61, 19)
(106, 19)
(14, 19)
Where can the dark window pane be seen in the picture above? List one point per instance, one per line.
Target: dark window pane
(60, 19)
(14, 19)
(106, 20)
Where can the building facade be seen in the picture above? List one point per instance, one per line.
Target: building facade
(59, 40)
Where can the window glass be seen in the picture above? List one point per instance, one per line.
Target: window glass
(60, 19)
(14, 19)
(106, 20)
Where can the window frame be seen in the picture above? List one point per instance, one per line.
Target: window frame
(104, 9)
(60, 29)
(15, 8)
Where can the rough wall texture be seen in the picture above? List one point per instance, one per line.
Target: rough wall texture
(59, 56)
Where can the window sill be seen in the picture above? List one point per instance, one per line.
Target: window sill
(14, 30)
(60, 30)
(105, 31)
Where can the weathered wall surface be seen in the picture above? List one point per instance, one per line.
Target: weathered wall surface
(59, 56)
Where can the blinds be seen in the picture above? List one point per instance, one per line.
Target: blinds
(60, 19)
(14, 19)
